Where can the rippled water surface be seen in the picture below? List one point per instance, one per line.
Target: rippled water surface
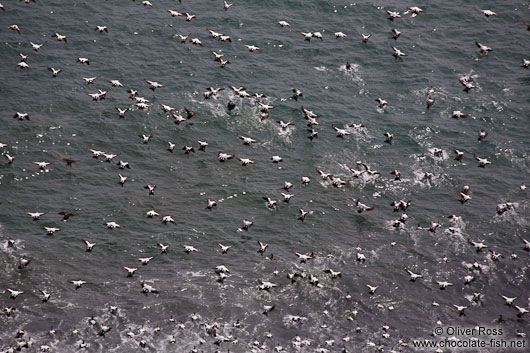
(192, 309)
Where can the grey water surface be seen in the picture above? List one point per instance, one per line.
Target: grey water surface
(338, 314)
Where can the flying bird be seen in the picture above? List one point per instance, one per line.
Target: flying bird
(482, 162)
(55, 72)
(15, 28)
(69, 161)
(488, 13)
(483, 48)
(60, 37)
(397, 52)
(154, 85)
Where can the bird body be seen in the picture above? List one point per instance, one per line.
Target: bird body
(89, 245)
(224, 248)
(78, 283)
(168, 219)
(340, 132)
(488, 13)
(23, 65)
(163, 247)
(224, 156)
(123, 179)
(361, 207)
(15, 28)
(398, 53)
(483, 48)
(372, 289)
(35, 46)
(413, 276)
(113, 225)
(211, 204)
(146, 288)
(246, 140)
(45, 295)
(14, 293)
(246, 161)
(88, 80)
(266, 285)
(60, 37)
(392, 14)
(55, 72)
(50, 230)
(189, 249)
(443, 284)
(130, 270)
(144, 260)
(154, 85)
(482, 162)
(252, 48)
(262, 247)
(35, 215)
